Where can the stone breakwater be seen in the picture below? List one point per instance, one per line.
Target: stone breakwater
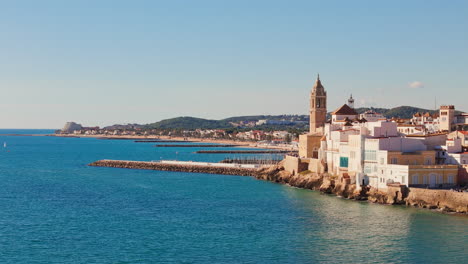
(195, 146)
(162, 141)
(443, 200)
(144, 165)
(245, 151)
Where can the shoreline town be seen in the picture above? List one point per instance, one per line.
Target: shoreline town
(422, 163)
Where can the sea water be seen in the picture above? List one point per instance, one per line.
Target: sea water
(56, 209)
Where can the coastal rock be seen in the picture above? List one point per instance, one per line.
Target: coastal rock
(327, 185)
(70, 127)
(447, 200)
(443, 200)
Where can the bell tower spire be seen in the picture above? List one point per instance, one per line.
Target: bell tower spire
(318, 107)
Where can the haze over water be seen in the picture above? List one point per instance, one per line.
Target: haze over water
(55, 209)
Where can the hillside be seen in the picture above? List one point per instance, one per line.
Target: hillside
(194, 123)
(187, 122)
(267, 117)
(400, 111)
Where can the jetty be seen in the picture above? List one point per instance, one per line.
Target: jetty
(161, 141)
(196, 146)
(116, 138)
(246, 151)
(251, 161)
(182, 166)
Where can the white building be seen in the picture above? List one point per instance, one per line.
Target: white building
(371, 116)
(376, 154)
(343, 114)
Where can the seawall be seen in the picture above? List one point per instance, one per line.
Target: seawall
(246, 151)
(195, 146)
(145, 165)
(162, 141)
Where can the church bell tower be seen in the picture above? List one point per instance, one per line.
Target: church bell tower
(318, 107)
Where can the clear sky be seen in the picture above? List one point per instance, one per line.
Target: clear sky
(106, 62)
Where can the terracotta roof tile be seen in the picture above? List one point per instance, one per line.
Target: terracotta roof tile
(344, 110)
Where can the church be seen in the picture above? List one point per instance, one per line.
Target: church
(311, 143)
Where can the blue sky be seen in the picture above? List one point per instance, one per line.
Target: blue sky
(106, 62)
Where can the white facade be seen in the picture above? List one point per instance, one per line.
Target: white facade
(410, 129)
(392, 173)
(372, 116)
(363, 149)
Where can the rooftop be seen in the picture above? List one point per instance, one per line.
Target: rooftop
(344, 110)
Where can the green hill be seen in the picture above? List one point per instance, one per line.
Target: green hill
(191, 123)
(400, 111)
(187, 122)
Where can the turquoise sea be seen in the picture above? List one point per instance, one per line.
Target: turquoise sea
(55, 209)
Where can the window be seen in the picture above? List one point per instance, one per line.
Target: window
(425, 179)
(394, 161)
(450, 179)
(428, 161)
(381, 160)
(403, 180)
(344, 162)
(370, 155)
(367, 169)
(441, 179)
(415, 179)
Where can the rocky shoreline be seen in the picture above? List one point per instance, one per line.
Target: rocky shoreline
(441, 200)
